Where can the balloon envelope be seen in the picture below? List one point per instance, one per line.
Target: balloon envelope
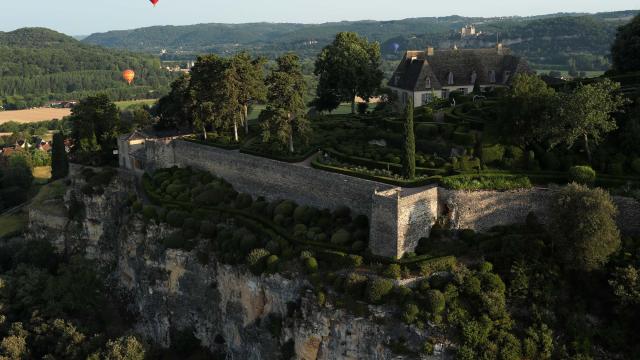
(128, 76)
(396, 46)
(154, 2)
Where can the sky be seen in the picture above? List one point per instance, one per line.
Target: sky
(83, 17)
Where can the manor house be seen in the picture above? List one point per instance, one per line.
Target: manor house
(426, 75)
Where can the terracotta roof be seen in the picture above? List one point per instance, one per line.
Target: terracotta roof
(417, 69)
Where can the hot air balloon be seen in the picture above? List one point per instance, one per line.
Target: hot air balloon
(396, 46)
(128, 75)
(154, 2)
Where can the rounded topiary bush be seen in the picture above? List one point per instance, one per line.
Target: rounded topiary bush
(341, 237)
(273, 247)
(358, 246)
(285, 208)
(378, 289)
(311, 265)
(208, 229)
(584, 175)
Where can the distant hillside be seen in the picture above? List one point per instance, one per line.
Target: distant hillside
(556, 39)
(37, 65)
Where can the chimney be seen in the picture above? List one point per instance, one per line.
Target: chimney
(430, 51)
(500, 49)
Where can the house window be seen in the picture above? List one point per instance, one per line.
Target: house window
(428, 83)
(507, 75)
(492, 76)
(405, 98)
(427, 98)
(445, 93)
(474, 77)
(395, 80)
(463, 90)
(450, 79)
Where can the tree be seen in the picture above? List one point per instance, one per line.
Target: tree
(583, 227)
(409, 158)
(285, 113)
(348, 67)
(625, 51)
(174, 108)
(527, 110)
(251, 87)
(95, 128)
(59, 159)
(586, 114)
(124, 348)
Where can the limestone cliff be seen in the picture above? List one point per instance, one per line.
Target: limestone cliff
(228, 308)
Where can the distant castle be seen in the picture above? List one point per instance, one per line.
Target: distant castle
(469, 30)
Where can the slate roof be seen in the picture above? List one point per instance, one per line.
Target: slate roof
(417, 68)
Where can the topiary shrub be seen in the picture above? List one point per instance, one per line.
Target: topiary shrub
(321, 298)
(435, 302)
(149, 212)
(176, 218)
(584, 175)
(256, 260)
(486, 267)
(355, 260)
(211, 197)
(342, 212)
(358, 246)
(311, 265)
(341, 237)
(378, 289)
(305, 254)
(426, 131)
(285, 208)
(208, 229)
(273, 247)
(393, 271)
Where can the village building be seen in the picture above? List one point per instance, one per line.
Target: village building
(426, 75)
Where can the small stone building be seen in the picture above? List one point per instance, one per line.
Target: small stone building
(426, 75)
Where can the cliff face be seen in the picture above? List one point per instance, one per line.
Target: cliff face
(227, 308)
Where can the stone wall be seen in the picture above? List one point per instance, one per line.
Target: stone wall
(399, 217)
(269, 178)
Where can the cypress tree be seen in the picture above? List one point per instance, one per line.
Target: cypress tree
(59, 160)
(409, 158)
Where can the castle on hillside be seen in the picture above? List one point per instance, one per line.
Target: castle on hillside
(469, 30)
(426, 75)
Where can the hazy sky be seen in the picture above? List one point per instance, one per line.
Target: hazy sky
(79, 17)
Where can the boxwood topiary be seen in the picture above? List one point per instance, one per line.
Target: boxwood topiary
(243, 201)
(584, 175)
(285, 208)
(341, 237)
(311, 265)
(393, 271)
(435, 302)
(256, 260)
(272, 263)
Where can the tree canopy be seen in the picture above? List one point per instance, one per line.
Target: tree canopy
(625, 51)
(95, 122)
(348, 67)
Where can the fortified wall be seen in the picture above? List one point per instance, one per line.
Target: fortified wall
(399, 217)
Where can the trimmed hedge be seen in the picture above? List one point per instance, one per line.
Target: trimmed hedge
(485, 181)
(382, 165)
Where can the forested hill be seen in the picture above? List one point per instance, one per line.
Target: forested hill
(548, 39)
(37, 65)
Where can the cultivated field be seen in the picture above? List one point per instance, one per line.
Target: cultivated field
(33, 115)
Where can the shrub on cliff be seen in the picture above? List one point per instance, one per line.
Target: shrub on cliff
(435, 302)
(355, 284)
(410, 313)
(272, 263)
(378, 289)
(176, 218)
(149, 212)
(393, 271)
(256, 260)
(584, 228)
(584, 175)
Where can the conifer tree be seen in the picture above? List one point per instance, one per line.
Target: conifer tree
(409, 158)
(59, 160)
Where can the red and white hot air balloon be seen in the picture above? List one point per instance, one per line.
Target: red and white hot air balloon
(154, 2)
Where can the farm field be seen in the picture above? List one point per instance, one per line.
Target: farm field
(130, 104)
(33, 115)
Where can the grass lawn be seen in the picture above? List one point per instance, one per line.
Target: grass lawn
(12, 223)
(590, 74)
(132, 104)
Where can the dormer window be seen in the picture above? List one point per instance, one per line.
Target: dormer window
(428, 83)
(474, 77)
(450, 79)
(395, 80)
(507, 75)
(492, 76)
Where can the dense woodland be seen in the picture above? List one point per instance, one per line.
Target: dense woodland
(37, 65)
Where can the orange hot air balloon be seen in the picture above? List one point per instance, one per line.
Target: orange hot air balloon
(154, 2)
(128, 76)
